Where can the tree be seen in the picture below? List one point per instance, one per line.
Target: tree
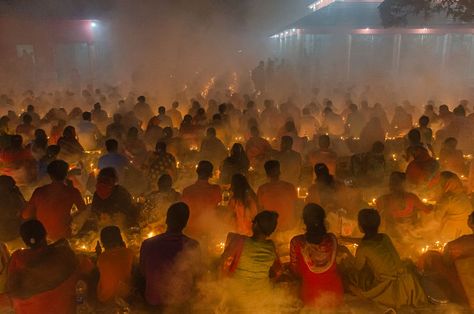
(396, 12)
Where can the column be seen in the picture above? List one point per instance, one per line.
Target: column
(397, 42)
(348, 56)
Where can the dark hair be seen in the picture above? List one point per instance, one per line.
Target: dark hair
(58, 170)
(107, 173)
(211, 132)
(165, 182)
(241, 189)
(141, 98)
(205, 169)
(424, 120)
(161, 109)
(414, 136)
(111, 145)
(369, 221)
(132, 132)
(16, 141)
(272, 168)
(53, 150)
(33, 233)
(177, 216)
(314, 218)
(111, 237)
(87, 116)
(266, 221)
(397, 179)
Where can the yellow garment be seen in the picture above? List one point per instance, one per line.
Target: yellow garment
(452, 211)
(386, 279)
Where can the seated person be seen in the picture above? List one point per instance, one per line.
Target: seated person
(323, 155)
(114, 265)
(422, 168)
(378, 273)
(158, 202)
(252, 261)
(11, 206)
(399, 209)
(313, 259)
(42, 278)
(171, 258)
(451, 158)
(111, 202)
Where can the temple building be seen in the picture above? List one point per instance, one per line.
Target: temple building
(345, 40)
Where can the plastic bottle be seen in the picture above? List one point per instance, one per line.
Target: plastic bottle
(82, 307)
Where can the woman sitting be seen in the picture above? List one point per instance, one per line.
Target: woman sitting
(243, 203)
(111, 202)
(250, 262)
(71, 150)
(42, 278)
(236, 163)
(313, 259)
(379, 274)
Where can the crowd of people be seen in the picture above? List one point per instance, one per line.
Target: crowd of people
(323, 202)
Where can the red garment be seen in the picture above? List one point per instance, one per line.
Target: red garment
(400, 206)
(279, 196)
(422, 169)
(321, 284)
(202, 199)
(57, 300)
(51, 204)
(243, 214)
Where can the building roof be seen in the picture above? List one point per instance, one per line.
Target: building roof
(343, 15)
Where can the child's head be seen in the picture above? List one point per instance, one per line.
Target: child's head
(111, 237)
(265, 223)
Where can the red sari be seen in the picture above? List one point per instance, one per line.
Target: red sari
(315, 264)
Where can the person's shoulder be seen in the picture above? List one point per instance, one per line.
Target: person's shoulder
(190, 242)
(297, 239)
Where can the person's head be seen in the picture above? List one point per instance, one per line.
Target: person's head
(27, 119)
(132, 133)
(443, 109)
(378, 147)
(286, 143)
(424, 121)
(211, 132)
(30, 108)
(162, 110)
(177, 217)
(314, 218)
(459, 111)
(108, 176)
(141, 99)
(450, 143)
(160, 147)
(165, 183)
(97, 106)
(290, 126)
(111, 145)
(353, 107)
(111, 237)
(414, 136)
(254, 132)
(222, 108)
(264, 223)
(324, 141)
(272, 169)
(57, 170)
(33, 234)
(175, 105)
(237, 150)
(204, 170)
(369, 222)
(69, 132)
(86, 116)
(40, 134)
(397, 181)
(450, 183)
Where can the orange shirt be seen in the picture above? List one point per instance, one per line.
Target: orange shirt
(256, 149)
(202, 199)
(115, 268)
(279, 196)
(51, 204)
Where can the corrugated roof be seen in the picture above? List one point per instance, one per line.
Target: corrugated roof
(360, 15)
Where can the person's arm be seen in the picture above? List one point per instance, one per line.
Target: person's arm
(293, 256)
(78, 200)
(360, 259)
(420, 206)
